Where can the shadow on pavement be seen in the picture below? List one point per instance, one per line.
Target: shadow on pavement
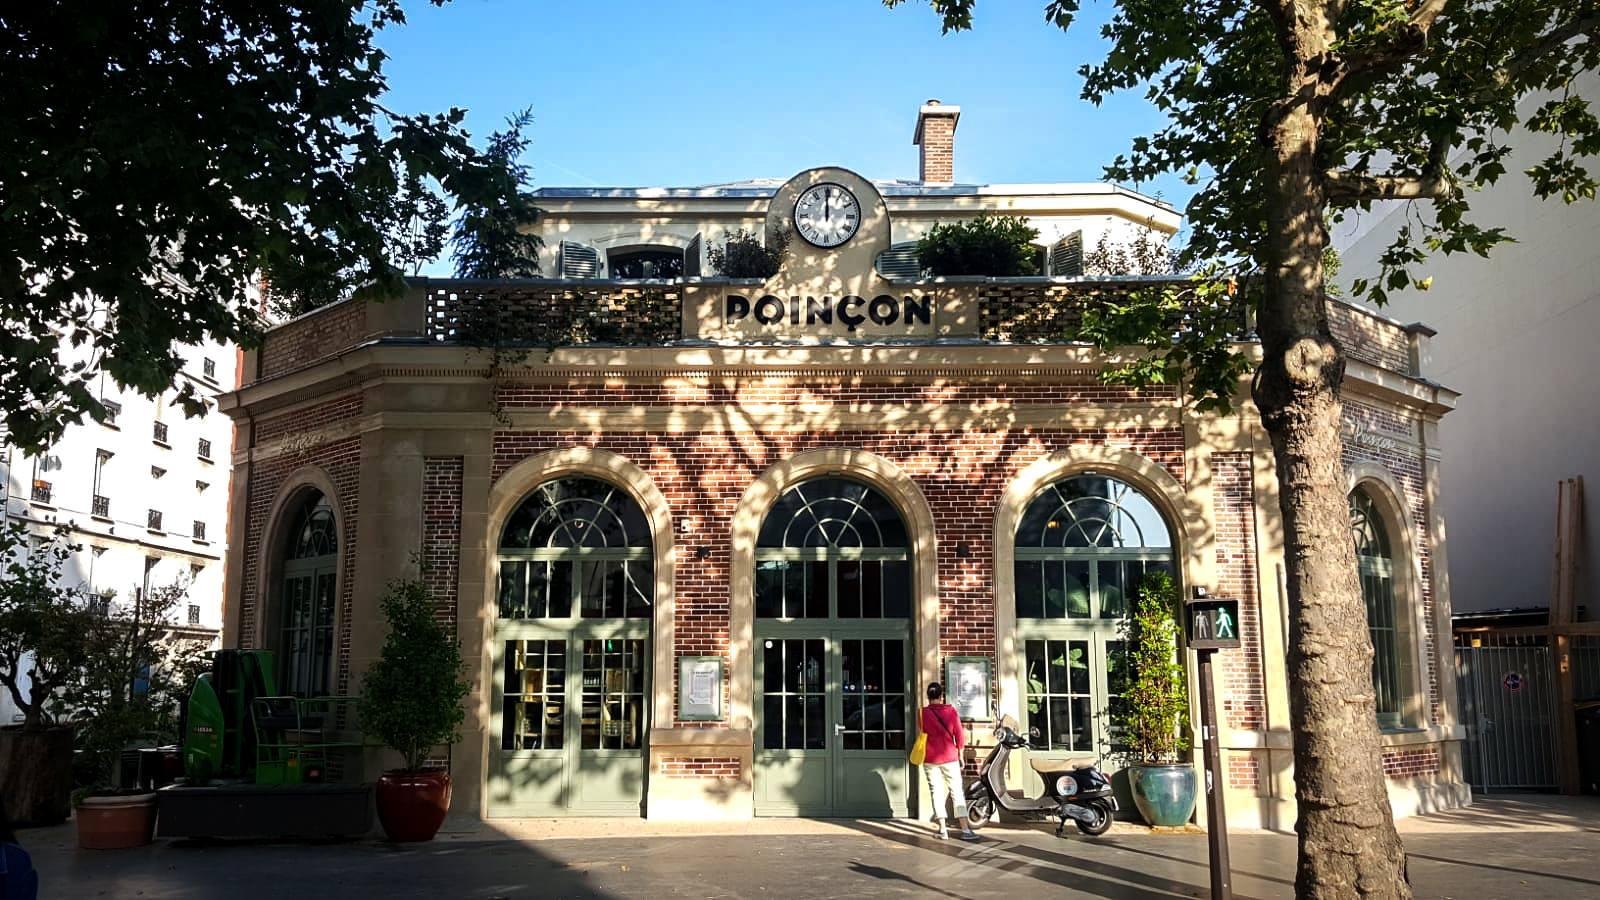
(1094, 877)
(1511, 869)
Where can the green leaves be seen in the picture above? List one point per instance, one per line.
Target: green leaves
(158, 162)
(411, 696)
(1154, 707)
(992, 245)
(490, 237)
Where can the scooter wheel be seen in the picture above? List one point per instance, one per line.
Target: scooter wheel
(980, 809)
(1100, 823)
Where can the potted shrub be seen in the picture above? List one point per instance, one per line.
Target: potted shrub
(1153, 713)
(411, 702)
(996, 246)
(743, 255)
(126, 694)
(43, 646)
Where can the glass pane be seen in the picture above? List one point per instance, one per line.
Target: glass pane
(815, 590)
(513, 589)
(772, 667)
(1030, 588)
(1113, 589)
(816, 733)
(770, 579)
(1092, 511)
(850, 590)
(772, 721)
(896, 589)
(1082, 725)
(639, 588)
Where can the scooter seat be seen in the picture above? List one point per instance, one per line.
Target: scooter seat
(1057, 766)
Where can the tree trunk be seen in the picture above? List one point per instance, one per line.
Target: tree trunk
(36, 774)
(1348, 843)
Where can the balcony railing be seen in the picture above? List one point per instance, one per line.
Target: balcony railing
(199, 531)
(41, 491)
(153, 520)
(113, 409)
(100, 506)
(160, 432)
(205, 449)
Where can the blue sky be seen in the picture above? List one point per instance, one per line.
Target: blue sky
(680, 93)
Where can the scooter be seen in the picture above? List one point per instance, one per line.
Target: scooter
(1073, 788)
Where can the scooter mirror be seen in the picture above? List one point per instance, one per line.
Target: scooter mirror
(1034, 734)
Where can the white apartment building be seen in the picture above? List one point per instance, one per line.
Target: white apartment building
(146, 493)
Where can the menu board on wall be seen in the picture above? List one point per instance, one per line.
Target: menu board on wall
(700, 688)
(966, 685)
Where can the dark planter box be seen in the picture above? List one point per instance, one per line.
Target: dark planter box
(248, 810)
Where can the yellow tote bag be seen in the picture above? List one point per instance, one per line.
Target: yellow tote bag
(919, 750)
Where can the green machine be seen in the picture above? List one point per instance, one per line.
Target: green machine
(257, 763)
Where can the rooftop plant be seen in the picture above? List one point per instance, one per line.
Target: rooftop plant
(743, 255)
(997, 246)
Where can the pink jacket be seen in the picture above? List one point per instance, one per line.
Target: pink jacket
(942, 725)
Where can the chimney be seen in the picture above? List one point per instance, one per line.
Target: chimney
(936, 135)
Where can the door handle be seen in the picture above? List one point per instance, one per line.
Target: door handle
(839, 728)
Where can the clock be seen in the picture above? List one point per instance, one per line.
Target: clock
(827, 215)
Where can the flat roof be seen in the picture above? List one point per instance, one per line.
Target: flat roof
(757, 188)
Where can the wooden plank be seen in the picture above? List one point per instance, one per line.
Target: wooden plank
(1562, 612)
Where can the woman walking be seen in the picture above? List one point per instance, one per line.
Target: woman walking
(942, 764)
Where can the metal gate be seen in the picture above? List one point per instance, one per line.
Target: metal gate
(1508, 703)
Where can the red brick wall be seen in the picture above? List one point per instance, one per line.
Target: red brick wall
(1409, 763)
(308, 418)
(1370, 339)
(1243, 686)
(699, 767)
(962, 475)
(441, 532)
(311, 337)
(341, 460)
(1244, 771)
(786, 392)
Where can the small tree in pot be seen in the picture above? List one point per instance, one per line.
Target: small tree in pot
(1154, 709)
(44, 647)
(411, 701)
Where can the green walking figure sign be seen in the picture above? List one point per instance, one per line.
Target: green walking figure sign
(1213, 623)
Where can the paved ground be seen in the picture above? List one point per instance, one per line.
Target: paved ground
(1532, 847)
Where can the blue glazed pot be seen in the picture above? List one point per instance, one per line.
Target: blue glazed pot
(1165, 795)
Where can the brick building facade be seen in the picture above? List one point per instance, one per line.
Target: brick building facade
(676, 468)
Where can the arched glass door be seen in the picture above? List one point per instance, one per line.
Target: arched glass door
(833, 603)
(1375, 562)
(572, 644)
(306, 599)
(1082, 548)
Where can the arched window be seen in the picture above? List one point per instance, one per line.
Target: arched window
(576, 587)
(1375, 562)
(833, 536)
(1082, 546)
(310, 567)
(576, 543)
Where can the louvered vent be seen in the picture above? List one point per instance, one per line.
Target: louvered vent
(900, 261)
(1066, 255)
(579, 260)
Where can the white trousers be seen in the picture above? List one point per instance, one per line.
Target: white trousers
(944, 785)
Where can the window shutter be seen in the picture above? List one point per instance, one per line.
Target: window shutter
(691, 258)
(1066, 255)
(900, 261)
(579, 260)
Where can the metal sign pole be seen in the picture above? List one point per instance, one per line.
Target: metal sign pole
(1216, 815)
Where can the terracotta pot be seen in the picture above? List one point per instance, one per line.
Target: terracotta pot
(115, 823)
(412, 805)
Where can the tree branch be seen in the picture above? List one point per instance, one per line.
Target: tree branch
(1548, 43)
(1409, 40)
(1434, 181)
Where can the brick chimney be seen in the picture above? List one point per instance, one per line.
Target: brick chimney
(936, 135)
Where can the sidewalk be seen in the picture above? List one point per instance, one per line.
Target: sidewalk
(1526, 847)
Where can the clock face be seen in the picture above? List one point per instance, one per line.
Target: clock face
(827, 215)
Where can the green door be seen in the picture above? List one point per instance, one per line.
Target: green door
(833, 654)
(831, 730)
(571, 654)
